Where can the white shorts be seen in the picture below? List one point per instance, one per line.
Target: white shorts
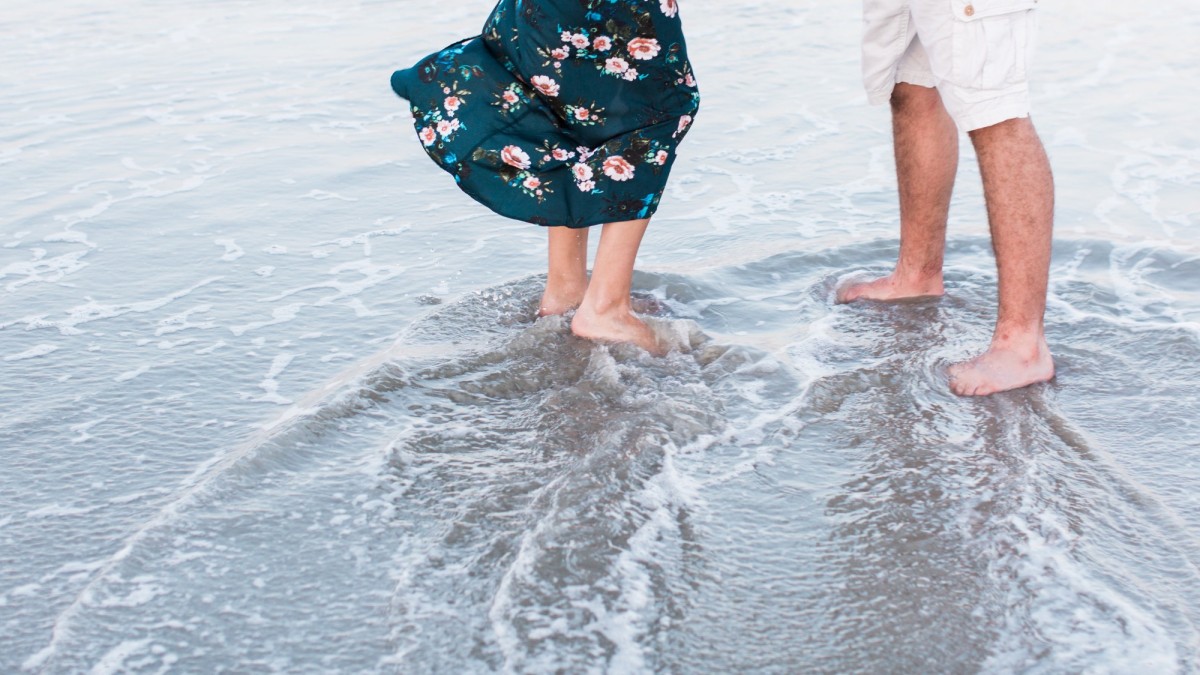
(975, 52)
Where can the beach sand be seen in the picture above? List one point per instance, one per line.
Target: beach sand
(275, 399)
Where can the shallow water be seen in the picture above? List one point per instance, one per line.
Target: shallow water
(275, 400)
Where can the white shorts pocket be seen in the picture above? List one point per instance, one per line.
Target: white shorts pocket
(993, 45)
(975, 10)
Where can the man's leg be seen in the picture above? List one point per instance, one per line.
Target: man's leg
(606, 314)
(926, 143)
(1019, 189)
(566, 279)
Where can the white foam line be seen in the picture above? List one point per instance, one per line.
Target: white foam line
(1045, 567)
(621, 626)
(195, 485)
(1158, 511)
(373, 275)
(278, 315)
(33, 352)
(180, 321)
(232, 250)
(130, 374)
(520, 566)
(93, 311)
(69, 236)
(42, 269)
(114, 659)
(146, 189)
(666, 492)
(270, 385)
(364, 238)
(665, 489)
(763, 420)
(1076, 314)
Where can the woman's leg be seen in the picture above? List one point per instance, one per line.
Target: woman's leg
(567, 279)
(605, 313)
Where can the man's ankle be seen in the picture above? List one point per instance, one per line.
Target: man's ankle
(917, 277)
(1028, 338)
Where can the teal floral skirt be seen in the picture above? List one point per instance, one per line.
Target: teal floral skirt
(563, 112)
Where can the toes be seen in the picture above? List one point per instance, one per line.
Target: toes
(966, 382)
(969, 390)
(958, 386)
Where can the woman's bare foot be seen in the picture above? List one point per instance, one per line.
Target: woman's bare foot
(891, 287)
(560, 300)
(605, 314)
(1002, 367)
(616, 325)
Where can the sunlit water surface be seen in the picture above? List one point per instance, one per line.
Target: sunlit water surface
(274, 399)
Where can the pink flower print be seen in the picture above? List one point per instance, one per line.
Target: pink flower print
(587, 186)
(582, 172)
(583, 114)
(616, 65)
(618, 169)
(643, 49)
(683, 124)
(661, 157)
(545, 84)
(689, 80)
(444, 128)
(428, 136)
(602, 43)
(510, 96)
(631, 74)
(584, 153)
(669, 7)
(566, 36)
(580, 41)
(452, 104)
(561, 155)
(560, 53)
(514, 157)
(532, 183)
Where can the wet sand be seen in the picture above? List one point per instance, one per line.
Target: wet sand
(277, 401)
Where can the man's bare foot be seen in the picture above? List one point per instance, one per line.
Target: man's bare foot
(891, 287)
(1001, 368)
(560, 300)
(618, 325)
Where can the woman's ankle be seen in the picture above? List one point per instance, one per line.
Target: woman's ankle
(561, 298)
(607, 306)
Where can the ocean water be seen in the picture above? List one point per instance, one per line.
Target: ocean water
(274, 399)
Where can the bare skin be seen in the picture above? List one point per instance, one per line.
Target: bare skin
(926, 141)
(567, 278)
(606, 313)
(604, 310)
(1019, 190)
